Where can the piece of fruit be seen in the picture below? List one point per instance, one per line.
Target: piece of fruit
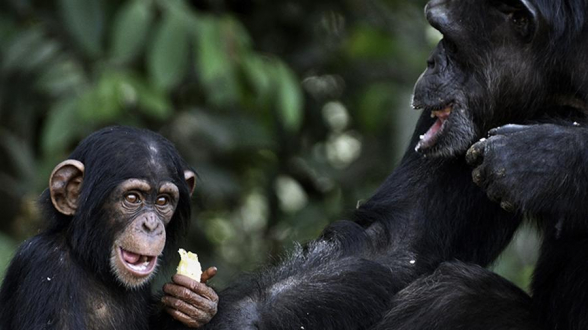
(189, 265)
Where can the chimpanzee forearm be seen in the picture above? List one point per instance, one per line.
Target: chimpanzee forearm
(461, 296)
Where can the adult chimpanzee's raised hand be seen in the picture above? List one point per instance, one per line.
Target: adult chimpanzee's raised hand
(538, 169)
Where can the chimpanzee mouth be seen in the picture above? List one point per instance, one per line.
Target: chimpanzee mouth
(137, 264)
(430, 138)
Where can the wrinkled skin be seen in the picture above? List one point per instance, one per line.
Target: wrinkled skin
(533, 168)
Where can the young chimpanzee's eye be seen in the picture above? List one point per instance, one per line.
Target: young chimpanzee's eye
(132, 198)
(162, 200)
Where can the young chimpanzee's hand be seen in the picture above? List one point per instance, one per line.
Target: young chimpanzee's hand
(190, 302)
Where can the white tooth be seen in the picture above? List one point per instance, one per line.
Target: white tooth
(421, 137)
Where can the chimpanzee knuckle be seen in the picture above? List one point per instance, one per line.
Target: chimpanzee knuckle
(478, 176)
(186, 294)
(495, 194)
(508, 206)
(475, 154)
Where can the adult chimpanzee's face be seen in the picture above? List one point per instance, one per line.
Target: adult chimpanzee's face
(143, 209)
(477, 75)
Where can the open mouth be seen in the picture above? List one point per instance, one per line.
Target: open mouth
(138, 264)
(429, 139)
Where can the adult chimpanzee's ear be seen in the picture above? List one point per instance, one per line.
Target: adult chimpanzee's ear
(191, 180)
(65, 185)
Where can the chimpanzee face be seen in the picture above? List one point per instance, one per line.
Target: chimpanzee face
(482, 74)
(143, 209)
(119, 226)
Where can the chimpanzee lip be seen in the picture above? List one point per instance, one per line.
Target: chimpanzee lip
(143, 266)
(442, 112)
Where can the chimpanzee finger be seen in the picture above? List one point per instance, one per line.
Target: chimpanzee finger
(508, 206)
(185, 319)
(193, 298)
(479, 176)
(475, 154)
(208, 274)
(508, 129)
(193, 312)
(195, 286)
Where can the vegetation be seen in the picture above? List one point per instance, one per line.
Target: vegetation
(290, 111)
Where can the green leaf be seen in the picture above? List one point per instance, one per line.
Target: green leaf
(152, 101)
(131, 27)
(84, 20)
(63, 77)
(256, 72)
(168, 58)
(290, 97)
(59, 131)
(105, 101)
(29, 50)
(214, 64)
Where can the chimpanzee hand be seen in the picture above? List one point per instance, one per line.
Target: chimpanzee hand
(535, 168)
(190, 302)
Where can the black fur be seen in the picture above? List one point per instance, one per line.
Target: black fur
(500, 62)
(61, 277)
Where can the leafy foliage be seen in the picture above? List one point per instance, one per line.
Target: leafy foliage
(290, 111)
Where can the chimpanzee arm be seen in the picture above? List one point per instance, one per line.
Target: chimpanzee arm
(427, 212)
(314, 288)
(461, 296)
(39, 290)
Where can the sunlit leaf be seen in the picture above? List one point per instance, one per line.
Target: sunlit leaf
(131, 26)
(85, 23)
(258, 75)
(290, 98)
(168, 56)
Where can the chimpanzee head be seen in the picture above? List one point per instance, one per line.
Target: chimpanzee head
(120, 194)
(499, 62)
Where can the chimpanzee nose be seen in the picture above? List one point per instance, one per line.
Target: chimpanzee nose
(150, 222)
(437, 12)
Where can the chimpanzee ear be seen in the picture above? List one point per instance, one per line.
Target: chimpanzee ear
(191, 180)
(65, 185)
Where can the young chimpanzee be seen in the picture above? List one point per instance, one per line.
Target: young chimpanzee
(113, 209)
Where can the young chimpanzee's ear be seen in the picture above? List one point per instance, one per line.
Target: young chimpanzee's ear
(65, 185)
(190, 180)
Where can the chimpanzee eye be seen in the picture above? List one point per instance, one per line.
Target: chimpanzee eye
(162, 200)
(132, 198)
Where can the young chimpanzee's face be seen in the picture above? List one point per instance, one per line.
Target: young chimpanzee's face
(143, 209)
(124, 194)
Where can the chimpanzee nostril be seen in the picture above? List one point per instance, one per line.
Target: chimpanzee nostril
(150, 222)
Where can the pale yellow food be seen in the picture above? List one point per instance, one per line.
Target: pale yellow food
(189, 265)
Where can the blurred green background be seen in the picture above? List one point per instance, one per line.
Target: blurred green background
(290, 111)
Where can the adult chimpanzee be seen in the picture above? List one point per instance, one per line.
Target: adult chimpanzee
(500, 62)
(113, 208)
